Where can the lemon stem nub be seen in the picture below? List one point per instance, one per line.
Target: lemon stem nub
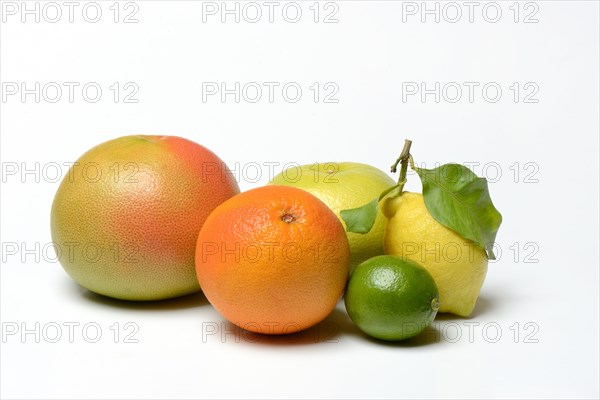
(435, 304)
(403, 161)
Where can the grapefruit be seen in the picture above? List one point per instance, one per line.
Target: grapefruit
(127, 215)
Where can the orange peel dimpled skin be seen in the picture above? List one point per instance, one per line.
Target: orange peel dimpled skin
(127, 215)
(273, 260)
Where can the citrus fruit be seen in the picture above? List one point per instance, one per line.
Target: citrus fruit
(273, 260)
(457, 265)
(391, 298)
(342, 186)
(126, 217)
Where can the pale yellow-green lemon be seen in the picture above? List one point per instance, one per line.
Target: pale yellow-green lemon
(342, 186)
(457, 265)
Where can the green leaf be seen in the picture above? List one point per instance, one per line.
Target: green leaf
(460, 200)
(361, 219)
(386, 192)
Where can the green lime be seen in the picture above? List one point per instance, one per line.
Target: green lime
(391, 298)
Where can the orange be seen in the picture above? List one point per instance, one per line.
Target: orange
(126, 217)
(273, 260)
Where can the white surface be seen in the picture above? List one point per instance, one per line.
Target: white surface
(368, 54)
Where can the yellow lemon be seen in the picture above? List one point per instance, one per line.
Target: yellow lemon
(457, 265)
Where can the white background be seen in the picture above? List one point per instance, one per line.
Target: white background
(541, 296)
